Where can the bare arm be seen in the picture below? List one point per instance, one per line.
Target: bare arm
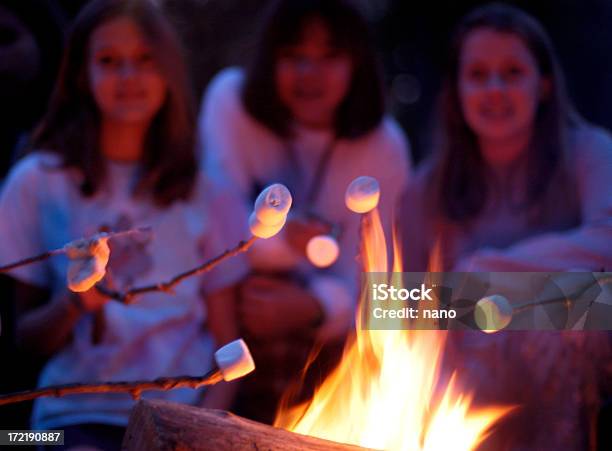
(45, 321)
(585, 247)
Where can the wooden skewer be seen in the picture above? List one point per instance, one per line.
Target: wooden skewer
(60, 251)
(232, 360)
(133, 388)
(167, 287)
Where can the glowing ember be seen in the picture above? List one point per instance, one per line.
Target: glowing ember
(385, 392)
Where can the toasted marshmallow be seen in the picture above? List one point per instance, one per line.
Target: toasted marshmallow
(362, 194)
(493, 313)
(273, 204)
(88, 260)
(261, 230)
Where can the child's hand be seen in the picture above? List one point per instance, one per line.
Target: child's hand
(93, 300)
(90, 301)
(273, 307)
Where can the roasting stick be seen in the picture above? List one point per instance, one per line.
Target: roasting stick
(63, 250)
(89, 256)
(362, 196)
(232, 361)
(268, 218)
(168, 286)
(493, 313)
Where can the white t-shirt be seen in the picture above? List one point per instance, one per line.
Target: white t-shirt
(158, 334)
(240, 149)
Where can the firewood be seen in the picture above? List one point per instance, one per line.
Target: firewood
(162, 425)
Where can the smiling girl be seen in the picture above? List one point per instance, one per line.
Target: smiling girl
(116, 151)
(309, 112)
(519, 182)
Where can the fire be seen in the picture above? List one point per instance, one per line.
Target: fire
(385, 393)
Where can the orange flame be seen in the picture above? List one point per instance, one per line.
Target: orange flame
(385, 394)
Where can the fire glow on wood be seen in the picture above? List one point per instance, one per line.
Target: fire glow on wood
(384, 393)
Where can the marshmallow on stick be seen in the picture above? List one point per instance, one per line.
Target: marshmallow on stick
(493, 313)
(261, 230)
(234, 360)
(363, 194)
(89, 257)
(88, 260)
(270, 213)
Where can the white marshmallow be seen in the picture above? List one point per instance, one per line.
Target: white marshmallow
(273, 204)
(85, 247)
(234, 360)
(261, 230)
(88, 260)
(322, 250)
(493, 313)
(362, 194)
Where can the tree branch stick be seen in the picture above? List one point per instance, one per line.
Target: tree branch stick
(562, 299)
(60, 251)
(30, 260)
(167, 287)
(133, 388)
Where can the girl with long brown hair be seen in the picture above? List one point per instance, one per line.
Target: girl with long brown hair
(307, 111)
(116, 151)
(518, 181)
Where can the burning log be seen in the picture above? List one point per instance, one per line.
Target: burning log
(161, 425)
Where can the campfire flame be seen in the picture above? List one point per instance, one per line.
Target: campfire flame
(385, 393)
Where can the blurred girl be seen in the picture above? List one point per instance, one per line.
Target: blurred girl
(116, 151)
(308, 112)
(519, 182)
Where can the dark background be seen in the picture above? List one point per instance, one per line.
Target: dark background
(412, 37)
